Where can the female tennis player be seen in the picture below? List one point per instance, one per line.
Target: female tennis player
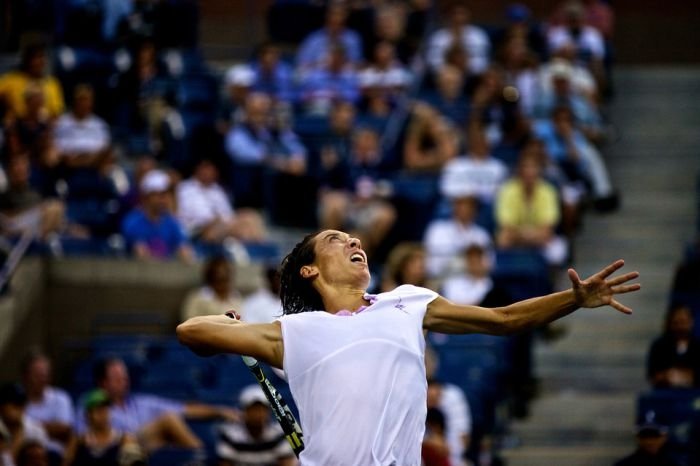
(356, 368)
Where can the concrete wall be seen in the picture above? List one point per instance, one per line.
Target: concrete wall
(59, 304)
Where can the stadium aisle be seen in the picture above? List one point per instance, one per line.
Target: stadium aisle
(591, 377)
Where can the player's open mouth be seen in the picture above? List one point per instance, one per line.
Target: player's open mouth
(358, 257)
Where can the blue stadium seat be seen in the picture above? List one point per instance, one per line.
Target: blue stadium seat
(524, 273)
(173, 456)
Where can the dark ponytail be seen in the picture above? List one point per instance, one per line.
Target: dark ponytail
(297, 293)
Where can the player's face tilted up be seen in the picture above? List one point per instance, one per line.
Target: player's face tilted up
(340, 262)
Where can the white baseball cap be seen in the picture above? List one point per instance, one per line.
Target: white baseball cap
(240, 75)
(155, 181)
(252, 394)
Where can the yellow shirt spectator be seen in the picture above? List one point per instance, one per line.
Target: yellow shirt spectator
(514, 209)
(14, 84)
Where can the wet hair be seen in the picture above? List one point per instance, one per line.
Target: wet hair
(297, 293)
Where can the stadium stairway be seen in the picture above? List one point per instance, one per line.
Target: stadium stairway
(590, 379)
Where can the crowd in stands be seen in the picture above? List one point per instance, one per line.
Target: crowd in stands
(463, 156)
(668, 415)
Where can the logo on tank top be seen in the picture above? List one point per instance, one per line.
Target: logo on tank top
(399, 306)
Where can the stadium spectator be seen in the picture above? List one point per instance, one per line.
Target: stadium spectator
(674, 357)
(474, 286)
(32, 133)
(332, 145)
(520, 72)
(651, 439)
(589, 43)
(86, 160)
(446, 239)
(435, 450)
(597, 13)
(217, 295)
(449, 98)
(101, 444)
(450, 400)
(336, 79)
(430, 142)
(264, 304)
(155, 420)
(358, 199)
(458, 29)
(238, 84)
(47, 404)
(563, 94)
(477, 172)
(316, 49)
(522, 26)
(20, 427)
(527, 212)
(31, 72)
(385, 73)
(22, 208)
(256, 439)
(581, 81)
(272, 75)
(248, 145)
(137, 88)
(33, 453)
(578, 161)
(206, 213)
(405, 265)
(150, 230)
(390, 24)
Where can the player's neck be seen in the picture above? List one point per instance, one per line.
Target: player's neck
(343, 298)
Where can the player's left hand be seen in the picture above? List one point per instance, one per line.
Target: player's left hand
(599, 290)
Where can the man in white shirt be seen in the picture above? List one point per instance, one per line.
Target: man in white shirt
(46, 404)
(446, 239)
(82, 138)
(472, 38)
(356, 366)
(205, 210)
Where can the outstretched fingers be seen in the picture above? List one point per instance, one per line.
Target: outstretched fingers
(623, 278)
(610, 269)
(620, 307)
(621, 289)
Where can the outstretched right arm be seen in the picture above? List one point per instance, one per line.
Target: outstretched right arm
(209, 335)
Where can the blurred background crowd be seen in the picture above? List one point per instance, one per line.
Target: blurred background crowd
(465, 156)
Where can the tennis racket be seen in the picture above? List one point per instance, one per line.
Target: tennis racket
(284, 415)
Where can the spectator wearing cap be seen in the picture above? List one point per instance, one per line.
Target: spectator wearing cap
(564, 94)
(101, 444)
(20, 427)
(150, 230)
(47, 404)
(316, 49)
(580, 78)
(521, 25)
(459, 30)
(651, 438)
(674, 357)
(238, 83)
(256, 439)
